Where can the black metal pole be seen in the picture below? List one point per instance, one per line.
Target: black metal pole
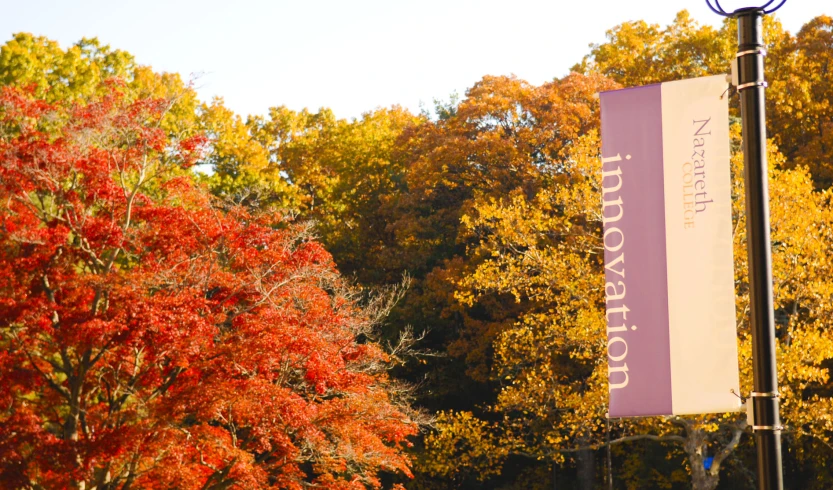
(609, 459)
(751, 85)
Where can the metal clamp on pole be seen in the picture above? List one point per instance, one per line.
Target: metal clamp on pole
(773, 397)
(776, 428)
(752, 84)
(760, 51)
(735, 76)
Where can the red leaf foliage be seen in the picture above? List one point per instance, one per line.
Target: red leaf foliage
(154, 339)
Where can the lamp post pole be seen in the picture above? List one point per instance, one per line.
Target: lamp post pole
(751, 86)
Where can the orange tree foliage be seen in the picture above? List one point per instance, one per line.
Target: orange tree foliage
(156, 340)
(505, 136)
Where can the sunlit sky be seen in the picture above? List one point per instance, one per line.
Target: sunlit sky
(353, 56)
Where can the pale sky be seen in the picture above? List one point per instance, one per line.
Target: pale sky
(353, 56)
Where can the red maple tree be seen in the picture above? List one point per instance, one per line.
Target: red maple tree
(152, 338)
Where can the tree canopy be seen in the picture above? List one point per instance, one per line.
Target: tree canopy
(154, 337)
(245, 325)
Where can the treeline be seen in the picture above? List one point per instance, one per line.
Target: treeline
(488, 209)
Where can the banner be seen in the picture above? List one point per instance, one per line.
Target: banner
(669, 278)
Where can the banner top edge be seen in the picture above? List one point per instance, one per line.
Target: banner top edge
(602, 92)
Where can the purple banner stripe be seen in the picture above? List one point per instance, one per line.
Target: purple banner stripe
(639, 358)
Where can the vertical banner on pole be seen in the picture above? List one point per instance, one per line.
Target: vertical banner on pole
(669, 279)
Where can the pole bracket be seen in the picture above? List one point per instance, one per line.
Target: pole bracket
(766, 394)
(760, 51)
(774, 428)
(752, 84)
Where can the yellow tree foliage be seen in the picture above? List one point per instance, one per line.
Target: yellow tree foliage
(551, 364)
(241, 167)
(800, 107)
(797, 68)
(505, 136)
(345, 173)
(638, 53)
(466, 447)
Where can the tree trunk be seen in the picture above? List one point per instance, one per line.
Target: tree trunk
(586, 469)
(703, 480)
(696, 446)
(73, 419)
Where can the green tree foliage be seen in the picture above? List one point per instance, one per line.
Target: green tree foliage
(58, 74)
(78, 72)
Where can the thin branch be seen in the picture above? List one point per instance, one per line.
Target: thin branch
(621, 440)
